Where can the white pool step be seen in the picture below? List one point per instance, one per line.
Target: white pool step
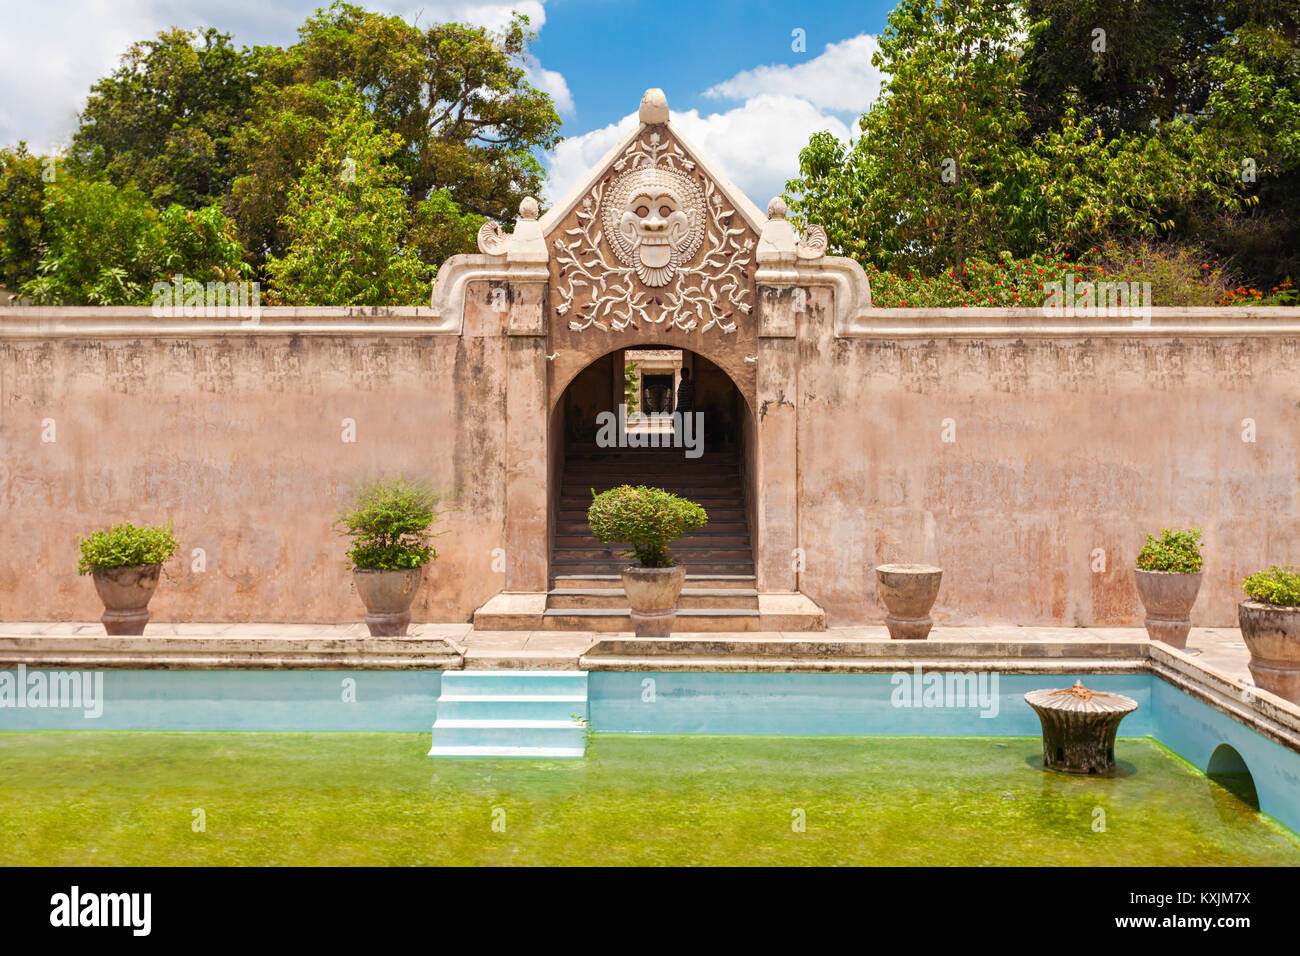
(511, 713)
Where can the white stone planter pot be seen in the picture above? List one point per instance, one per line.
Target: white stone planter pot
(652, 595)
(1168, 597)
(1272, 633)
(387, 596)
(126, 593)
(908, 592)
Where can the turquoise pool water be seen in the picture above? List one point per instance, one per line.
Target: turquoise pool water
(638, 703)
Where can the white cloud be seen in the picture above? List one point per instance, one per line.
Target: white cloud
(52, 52)
(494, 16)
(569, 161)
(552, 82)
(840, 79)
(756, 145)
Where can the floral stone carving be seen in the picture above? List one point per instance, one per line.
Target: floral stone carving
(671, 253)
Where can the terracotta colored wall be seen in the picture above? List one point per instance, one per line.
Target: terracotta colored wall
(238, 441)
(1063, 446)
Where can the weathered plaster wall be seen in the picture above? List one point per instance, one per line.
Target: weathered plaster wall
(1063, 445)
(238, 439)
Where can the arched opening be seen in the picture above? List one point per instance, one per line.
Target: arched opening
(1229, 770)
(668, 418)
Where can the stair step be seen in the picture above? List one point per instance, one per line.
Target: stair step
(715, 525)
(511, 707)
(690, 542)
(536, 753)
(511, 713)
(690, 555)
(494, 683)
(620, 619)
(563, 568)
(615, 581)
(690, 598)
(578, 516)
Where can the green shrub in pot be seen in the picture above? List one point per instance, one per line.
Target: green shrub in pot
(648, 520)
(1168, 577)
(124, 562)
(389, 524)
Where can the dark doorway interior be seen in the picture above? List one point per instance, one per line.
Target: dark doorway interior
(657, 394)
(714, 478)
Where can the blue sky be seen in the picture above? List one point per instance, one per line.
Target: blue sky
(734, 82)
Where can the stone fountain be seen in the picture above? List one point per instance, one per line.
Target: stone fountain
(1079, 727)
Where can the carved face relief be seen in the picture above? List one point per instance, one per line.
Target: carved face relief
(653, 218)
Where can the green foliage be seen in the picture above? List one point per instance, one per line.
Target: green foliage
(126, 546)
(440, 228)
(163, 120)
(1277, 585)
(389, 523)
(345, 221)
(286, 131)
(192, 121)
(1179, 275)
(948, 167)
(1148, 68)
(629, 388)
(1174, 551)
(106, 245)
(646, 519)
(22, 196)
(456, 95)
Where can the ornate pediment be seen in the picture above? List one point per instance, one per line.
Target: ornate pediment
(653, 238)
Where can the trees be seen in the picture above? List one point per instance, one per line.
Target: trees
(22, 194)
(345, 221)
(1122, 65)
(163, 120)
(106, 245)
(457, 96)
(189, 120)
(948, 165)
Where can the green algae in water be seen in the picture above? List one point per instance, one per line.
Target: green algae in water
(72, 798)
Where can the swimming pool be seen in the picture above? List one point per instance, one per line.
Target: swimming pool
(681, 704)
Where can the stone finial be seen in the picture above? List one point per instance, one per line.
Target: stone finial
(528, 209)
(776, 243)
(654, 107)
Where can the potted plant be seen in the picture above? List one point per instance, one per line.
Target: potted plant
(389, 525)
(124, 562)
(647, 520)
(1168, 577)
(1270, 626)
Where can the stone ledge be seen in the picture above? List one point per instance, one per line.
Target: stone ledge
(858, 665)
(790, 647)
(238, 651)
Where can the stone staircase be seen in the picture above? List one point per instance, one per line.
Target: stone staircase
(511, 713)
(721, 547)
(586, 592)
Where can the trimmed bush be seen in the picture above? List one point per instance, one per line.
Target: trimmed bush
(1174, 551)
(1277, 585)
(126, 546)
(645, 519)
(389, 525)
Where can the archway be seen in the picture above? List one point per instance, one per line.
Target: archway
(1228, 769)
(669, 418)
